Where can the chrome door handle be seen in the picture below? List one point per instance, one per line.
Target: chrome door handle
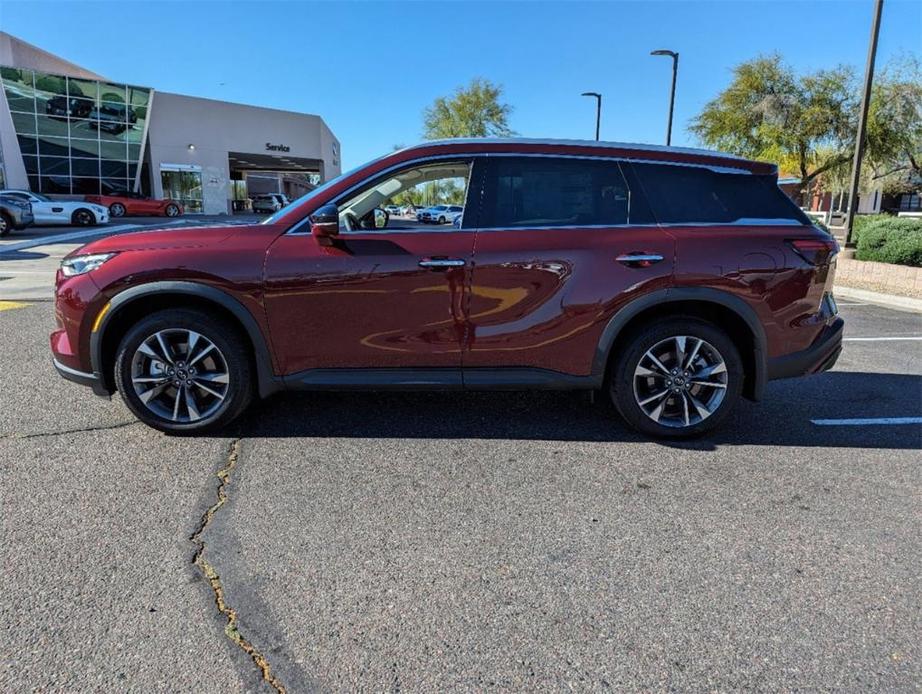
(639, 259)
(441, 263)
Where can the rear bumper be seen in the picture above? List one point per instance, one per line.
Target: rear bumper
(820, 356)
(94, 381)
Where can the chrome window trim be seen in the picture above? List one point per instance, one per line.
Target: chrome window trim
(592, 157)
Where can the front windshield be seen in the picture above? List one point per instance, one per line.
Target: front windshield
(274, 217)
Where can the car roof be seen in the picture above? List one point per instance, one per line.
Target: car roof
(624, 150)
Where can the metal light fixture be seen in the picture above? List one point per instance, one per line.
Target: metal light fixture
(598, 110)
(675, 69)
(191, 148)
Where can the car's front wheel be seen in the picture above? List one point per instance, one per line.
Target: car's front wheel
(183, 371)
(6, 224)
(677, 377)
(117, 209)
(171, 210)
(83, 218)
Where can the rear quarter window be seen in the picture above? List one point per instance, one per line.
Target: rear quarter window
(697, 195)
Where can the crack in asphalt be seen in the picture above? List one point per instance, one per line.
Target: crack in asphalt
(231, 629)
(63, 432)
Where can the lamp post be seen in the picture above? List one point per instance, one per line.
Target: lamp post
(598, 110)
(675, 70)
(862, 123)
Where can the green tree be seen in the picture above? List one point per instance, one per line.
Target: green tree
(473, 111)
(894, 144)
(806, 123)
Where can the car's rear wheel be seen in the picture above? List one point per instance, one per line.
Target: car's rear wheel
(6, 224)
(83, 218)
(183, 371)
(171, 210)
(677, 377)
(117, 209)
(441, 220)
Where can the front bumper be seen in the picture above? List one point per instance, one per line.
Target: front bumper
(820, 356)
(94, 381)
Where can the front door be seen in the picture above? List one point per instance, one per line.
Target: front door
(384, 295)
(561, 244)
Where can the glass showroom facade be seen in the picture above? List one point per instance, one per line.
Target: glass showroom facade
(77, 136)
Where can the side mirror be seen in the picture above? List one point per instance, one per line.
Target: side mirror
(381, 218)
(325, 224)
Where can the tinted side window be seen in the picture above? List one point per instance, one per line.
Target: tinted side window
(548, 192)
(696, 195)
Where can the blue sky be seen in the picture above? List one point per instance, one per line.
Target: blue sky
(370, 68)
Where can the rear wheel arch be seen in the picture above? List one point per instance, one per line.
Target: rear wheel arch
(129, 306)
(724, 310)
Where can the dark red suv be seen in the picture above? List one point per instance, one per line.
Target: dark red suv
(675, 280)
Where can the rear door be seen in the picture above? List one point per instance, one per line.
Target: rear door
(561, 244)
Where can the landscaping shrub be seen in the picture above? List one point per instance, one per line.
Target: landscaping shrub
(891, 240)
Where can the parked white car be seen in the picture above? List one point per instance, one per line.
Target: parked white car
(47, 211)
(269, 202)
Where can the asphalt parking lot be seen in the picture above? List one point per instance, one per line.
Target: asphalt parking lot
(432, 542)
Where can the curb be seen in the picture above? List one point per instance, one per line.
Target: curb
(900, 303)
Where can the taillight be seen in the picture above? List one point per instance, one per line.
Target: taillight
(814, 251)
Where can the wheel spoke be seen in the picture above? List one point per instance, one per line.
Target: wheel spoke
(148, 351)
(202, 386)
(191, 340)
(644, 371)
(654, 398)
(658, 412)
(148, 395)
(709, 371)
(213, 377)
(693, 355)
(685, 407)
(167, 352)
(150, 379)
(176, 403)
(702, 410)
(680, 350)
(201, 354)
(709, 384)
(656, 362)
(191, 406)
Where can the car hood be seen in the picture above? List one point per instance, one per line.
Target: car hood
(159, 239)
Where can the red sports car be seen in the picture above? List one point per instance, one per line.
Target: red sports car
(122, 204)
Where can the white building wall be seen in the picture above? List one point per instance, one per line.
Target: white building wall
(215, 128)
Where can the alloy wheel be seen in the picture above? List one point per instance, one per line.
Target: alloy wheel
(117, 210)
(680, 381)
(172, 210)
(180, 375)
(83, 218)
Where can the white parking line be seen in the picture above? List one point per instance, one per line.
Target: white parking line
(882, 339)
(866, 421)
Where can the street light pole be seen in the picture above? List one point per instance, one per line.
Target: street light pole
(675, 71)
(862, 123)
(598, 110)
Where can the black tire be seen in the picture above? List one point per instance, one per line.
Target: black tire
(171, 210)
(83, 217)
(6, 224)
(441, 220)
(624, 387)
(117, 209)
(230, 343)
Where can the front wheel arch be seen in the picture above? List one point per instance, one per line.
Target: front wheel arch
(127, 307)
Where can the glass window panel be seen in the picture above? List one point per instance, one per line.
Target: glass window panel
(51, 126)
(132, 171)
(112, 92)
(113, 169)
(138, 96)
(54, 166)
(115, 185)
(111, 130)
(112, 150)
(18, 87)
(28, 145)
(134, 133)
(68, 107)
(85, 167)
(134, 152)
(88, 89)
(53, 146)
(33, 183)
(50, 84)
(84, 148)
(55, 184)
(31, 163)
(86, 186)
(24, 123)
(83, 129)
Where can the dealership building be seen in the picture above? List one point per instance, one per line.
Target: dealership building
(67, 131)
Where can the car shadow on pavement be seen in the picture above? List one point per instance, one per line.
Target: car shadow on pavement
(783, 418)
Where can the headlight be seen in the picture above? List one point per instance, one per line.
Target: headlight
(81, 264)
